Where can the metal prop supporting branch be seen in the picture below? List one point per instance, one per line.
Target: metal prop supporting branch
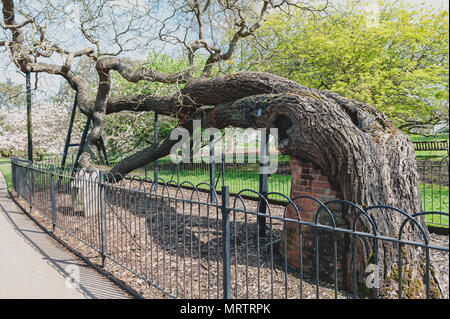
(82, 142)
(69, 133)
(156, 140)
(29, 122)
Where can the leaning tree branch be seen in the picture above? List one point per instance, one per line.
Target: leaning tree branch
(127, 71)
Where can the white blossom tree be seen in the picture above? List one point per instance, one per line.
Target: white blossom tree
(50, 121)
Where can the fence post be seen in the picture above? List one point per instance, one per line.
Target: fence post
(13, 174)
(30, 184)
(223, 169)
(212, 169)
(101, 188)
(226, 242)
(178, 170)
(155, 164)
(29, 119)
(52, 195)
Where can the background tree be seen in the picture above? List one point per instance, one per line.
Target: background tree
(394, 58)
(50, 119)
(11, 95)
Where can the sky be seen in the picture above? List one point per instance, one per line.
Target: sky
(52, 83)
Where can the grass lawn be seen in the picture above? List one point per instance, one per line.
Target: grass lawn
(435, 155)
(5, 168)
(237, 180)
(422, 138)
(435, 198)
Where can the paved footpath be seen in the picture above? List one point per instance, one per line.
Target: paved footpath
(34, 265)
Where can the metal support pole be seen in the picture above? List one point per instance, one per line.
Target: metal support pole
(102, 146)
(101, 188)
(52, 195)
(30, 140)
(29, 122)
(83, 140)
(223, 169)
(226, 246)
(177, 168)
(69, 132)
(263, 183)
(155, 164)
(212, 169)
(13, 174)
(30, 184)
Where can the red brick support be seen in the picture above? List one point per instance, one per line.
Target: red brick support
(309, 180)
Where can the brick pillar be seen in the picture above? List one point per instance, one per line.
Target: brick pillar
(309, 180)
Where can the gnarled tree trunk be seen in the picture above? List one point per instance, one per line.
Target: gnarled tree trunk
(361, 151)
(369, 160)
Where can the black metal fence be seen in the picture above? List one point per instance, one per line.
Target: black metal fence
(434, 187)
(431, 145)
(194, 244)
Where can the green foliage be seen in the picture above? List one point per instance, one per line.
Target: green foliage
(396, 60)
(11, 95)
(5, 169)
(130, 131)
(424, 138)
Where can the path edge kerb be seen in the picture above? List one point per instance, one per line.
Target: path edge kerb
(122, 285)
